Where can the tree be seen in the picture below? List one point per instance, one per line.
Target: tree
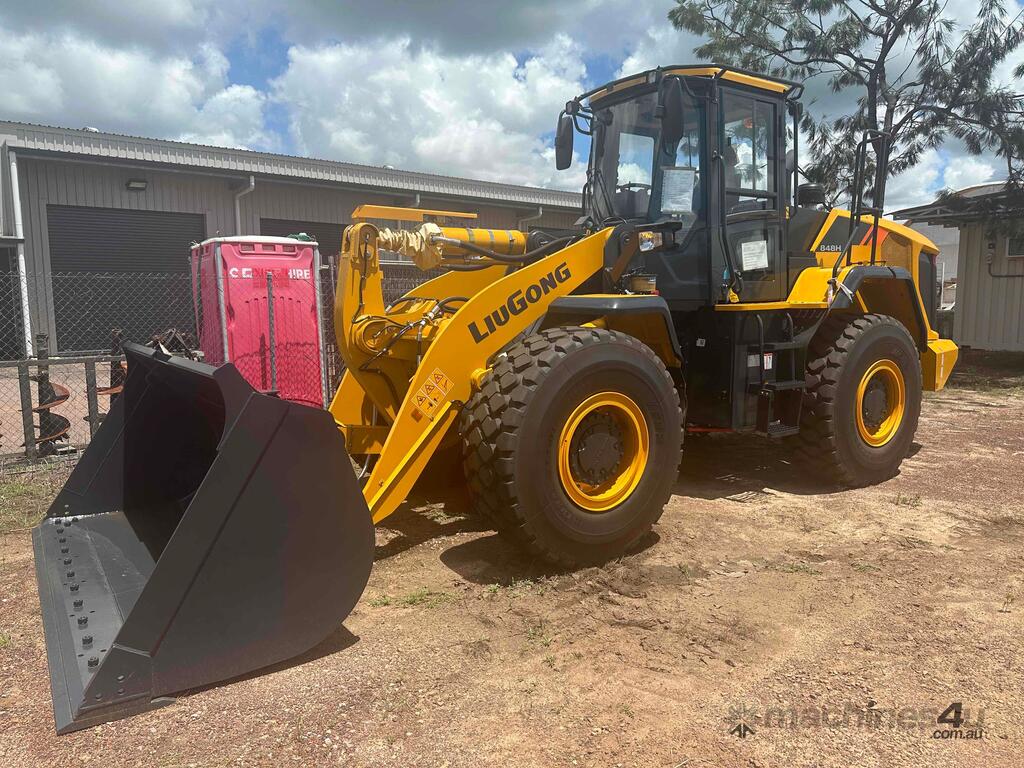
(906, 66)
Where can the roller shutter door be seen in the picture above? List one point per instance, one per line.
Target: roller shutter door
(12, 341)
(117, 268)
(327, 236)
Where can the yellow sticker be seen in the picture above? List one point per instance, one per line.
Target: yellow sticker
(440, 380)
(433, 392)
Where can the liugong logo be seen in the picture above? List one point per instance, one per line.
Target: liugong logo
(518, 301)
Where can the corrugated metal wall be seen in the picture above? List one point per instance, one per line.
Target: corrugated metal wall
(45, 181)
(989, 310)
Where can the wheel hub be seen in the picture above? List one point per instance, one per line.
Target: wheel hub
(603, 451)
(876, 405)
(881, 402)
(596, 450)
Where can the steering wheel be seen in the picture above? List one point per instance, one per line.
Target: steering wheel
(632, 185)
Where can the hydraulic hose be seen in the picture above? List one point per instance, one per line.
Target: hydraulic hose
(533, 255)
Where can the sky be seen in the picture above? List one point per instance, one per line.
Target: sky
(459, 87)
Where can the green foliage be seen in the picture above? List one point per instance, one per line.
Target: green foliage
(904, 65)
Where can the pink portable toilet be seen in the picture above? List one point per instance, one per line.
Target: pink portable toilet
(257, 304)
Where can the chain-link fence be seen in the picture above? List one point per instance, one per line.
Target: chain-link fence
(53, 401)
(87, 306)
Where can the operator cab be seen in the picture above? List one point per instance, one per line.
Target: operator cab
(700, 152)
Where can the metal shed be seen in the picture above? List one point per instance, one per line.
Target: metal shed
(989, 310)
(90, 221)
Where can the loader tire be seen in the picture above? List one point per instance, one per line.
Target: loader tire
(863, 399)
(572, 443)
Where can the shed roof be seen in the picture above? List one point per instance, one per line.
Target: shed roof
(88, 143)
(939, 212)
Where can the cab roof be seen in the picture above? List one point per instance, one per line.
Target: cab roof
(787, 88)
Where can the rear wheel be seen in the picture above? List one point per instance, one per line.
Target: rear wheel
(863, 398)
(572, 443)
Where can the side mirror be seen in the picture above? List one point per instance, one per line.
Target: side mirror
(810, 194)
(672, 111)
(563, 142)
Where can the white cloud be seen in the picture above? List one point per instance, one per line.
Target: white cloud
(233, 117)
(967, 171)
(916, 186)
(443, 87)
(388, 102)
(125, 90)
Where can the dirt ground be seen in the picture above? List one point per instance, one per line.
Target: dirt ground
(831, 627)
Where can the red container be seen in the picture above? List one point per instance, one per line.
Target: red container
(257, 303)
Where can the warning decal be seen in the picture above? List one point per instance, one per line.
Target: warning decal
(433, 392)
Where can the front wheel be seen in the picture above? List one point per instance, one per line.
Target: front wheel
(572, 443)
(863, 398)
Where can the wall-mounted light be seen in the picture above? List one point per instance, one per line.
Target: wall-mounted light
(136, 185)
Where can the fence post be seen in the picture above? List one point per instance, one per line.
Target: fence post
(25, 388)
(42, 375)
(90, 394)
(270, 331)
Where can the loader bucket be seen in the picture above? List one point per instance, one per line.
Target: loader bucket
(207, 531)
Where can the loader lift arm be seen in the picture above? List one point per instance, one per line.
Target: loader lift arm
(433, 350)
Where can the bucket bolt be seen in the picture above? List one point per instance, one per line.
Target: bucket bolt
(83, 620)
(86, 641)
(74, 587)
(61, 539)
(94, 661)
(67, 561)
(71, 574)
(78, 604)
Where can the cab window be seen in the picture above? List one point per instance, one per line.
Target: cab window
(749, 147)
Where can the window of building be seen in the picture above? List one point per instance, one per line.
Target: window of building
(1015, 247)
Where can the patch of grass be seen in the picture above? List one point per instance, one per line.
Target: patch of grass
(628, 711)
(421, 596)
(989, 372)
(5, 640)
(907, 500)
(549, 660)
(424, 596)
(440, 516)
(537, 634)
(518, 587)
(865, 567)
(24, 498)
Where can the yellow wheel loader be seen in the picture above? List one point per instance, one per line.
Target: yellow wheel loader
(210, 530)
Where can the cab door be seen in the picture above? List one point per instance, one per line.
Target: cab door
(753, 156)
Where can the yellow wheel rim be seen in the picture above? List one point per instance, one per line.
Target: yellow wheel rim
(881, 403)
(603, 451)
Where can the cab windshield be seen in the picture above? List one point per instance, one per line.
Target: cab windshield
(634, 175)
